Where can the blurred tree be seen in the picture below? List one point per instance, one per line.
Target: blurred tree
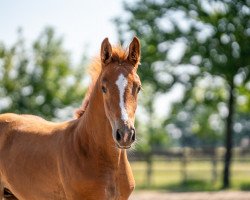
(200, 118)
(152, 136)
(242, 118)
(213, 35)
(203, 108)
(41, 81)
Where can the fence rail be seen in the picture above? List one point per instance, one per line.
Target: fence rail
(163, 168)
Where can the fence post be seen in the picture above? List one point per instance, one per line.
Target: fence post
(184, 166)
(214, 166)
(149, 168)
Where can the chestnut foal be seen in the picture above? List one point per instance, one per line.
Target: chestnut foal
(85, 158)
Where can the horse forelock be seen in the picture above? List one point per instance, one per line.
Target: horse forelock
(95, 69)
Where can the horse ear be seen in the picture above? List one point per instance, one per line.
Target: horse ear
(134, 53)
(106, 51)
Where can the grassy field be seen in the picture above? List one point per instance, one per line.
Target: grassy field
(167, 175)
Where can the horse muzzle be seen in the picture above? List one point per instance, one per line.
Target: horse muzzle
(125, 136)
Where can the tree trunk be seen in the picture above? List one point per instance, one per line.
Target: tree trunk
(229, 137)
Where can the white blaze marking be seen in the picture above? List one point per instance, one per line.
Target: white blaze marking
(122, 83)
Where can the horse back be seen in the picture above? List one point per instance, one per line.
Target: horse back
(29, 130)
(29, 124)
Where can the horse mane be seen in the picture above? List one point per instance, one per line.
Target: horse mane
(95, 68)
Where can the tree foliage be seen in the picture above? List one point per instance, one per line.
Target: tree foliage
(40, 80)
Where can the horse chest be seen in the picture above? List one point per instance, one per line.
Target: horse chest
(112, 191)
(117, 187)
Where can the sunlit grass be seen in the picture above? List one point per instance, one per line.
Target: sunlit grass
(167, 175)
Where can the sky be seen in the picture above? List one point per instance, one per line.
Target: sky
(83, 24)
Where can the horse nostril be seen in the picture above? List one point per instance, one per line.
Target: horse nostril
(133, 134)
(118, 135)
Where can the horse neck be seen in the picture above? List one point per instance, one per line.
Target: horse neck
(95, 131)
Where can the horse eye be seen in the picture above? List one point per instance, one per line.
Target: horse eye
(139, 89)
(104, 90)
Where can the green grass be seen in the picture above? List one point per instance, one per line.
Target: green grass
(167, 175)
(245, 186)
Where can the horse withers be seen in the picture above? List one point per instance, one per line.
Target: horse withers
(84, 158)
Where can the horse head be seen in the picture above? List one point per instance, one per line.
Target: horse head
(120, 85)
